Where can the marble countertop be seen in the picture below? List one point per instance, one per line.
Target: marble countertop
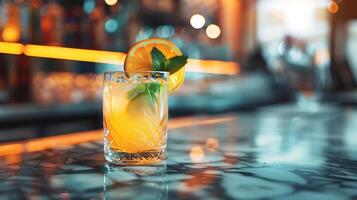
(267, 154)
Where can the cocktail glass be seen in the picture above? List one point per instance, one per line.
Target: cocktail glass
(135, 115)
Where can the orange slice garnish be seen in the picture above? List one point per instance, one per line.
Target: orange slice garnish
(138, 59)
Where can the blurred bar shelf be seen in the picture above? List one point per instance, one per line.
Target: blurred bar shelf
(36, 112)
(30, 120)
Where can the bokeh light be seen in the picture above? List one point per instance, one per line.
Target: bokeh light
(322, 56)
(111, 25)
(212, 144)
(332, 7)
(88, 6)
(197, 21)
(111, 2)
(165, 31)
(197, 154)
(11, 34)
(213, 31)
(145, 33)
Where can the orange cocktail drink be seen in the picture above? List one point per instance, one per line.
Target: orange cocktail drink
(135, 115)
(135, 102)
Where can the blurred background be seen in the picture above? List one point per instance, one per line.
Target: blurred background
(244, 54)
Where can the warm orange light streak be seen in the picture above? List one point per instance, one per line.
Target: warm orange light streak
(50, 142)
(194, 121)
(62, 140)
(11, 48)
(117, 58)
(9, 149)
(213, 67)
(86, 55)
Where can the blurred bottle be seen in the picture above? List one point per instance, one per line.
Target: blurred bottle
(3, 80)
(21, 80)
(256, 61)
(20, 69)
(341, 70)
(302, 74)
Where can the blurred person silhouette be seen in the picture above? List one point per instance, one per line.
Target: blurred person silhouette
(256, 61)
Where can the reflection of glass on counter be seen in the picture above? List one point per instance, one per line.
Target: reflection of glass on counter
(135, 182)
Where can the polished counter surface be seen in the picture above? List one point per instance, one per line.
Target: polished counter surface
(267, 154)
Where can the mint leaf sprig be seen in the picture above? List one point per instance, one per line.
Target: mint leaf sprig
(158, 59)
(150, 89)
(161, 63)
(144, 88)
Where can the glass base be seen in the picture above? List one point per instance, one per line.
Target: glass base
(142, 158)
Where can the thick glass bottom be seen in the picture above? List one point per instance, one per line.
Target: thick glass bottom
(142, 158)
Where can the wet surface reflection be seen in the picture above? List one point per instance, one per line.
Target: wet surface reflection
(135, 182)
(262, 155)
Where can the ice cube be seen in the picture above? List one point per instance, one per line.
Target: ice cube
(121, 79)
(135, 78)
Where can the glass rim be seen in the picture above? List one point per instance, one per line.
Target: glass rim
(139, 72)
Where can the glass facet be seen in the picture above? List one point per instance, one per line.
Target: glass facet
(135, 115)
